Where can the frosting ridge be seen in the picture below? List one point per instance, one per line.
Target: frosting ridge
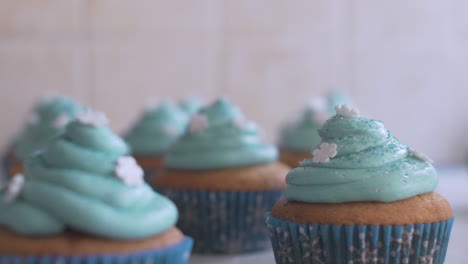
(369, 165)
(219, 136)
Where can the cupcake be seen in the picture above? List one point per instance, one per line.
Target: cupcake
(223, 178)
(152, 135)
(363, 197)
(47, 121)
(298, 137)
(82, 199)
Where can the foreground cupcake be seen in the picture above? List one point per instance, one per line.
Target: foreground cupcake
(83, 200)
(298, 137)
(363, 197)
(223, 178)
(152, 135)
(47, 121)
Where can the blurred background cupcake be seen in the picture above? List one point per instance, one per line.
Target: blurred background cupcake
(363, 197)
(223, 177)
(156, 130)
(298, 137)
(83, 200)
(45, 122)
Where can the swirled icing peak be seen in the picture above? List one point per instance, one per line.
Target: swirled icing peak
(47, 121)
(359, 160)
(157, 129)
(85, 181)
(219, 136)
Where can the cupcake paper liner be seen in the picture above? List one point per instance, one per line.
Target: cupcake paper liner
(224, 222)
(177, 254)
(358, 244)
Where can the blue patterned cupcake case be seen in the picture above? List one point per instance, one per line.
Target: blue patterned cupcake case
(358, 244)
(177, 254)
(224, 222)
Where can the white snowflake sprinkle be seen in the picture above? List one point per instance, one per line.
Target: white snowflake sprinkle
(129, 171)
(198, 123)
(14, 188)
(324, 152)
(420, 155)
(170, 130)
(34, 119)
(240, 122)
(346, 111)
(92, 118)
(61, 121)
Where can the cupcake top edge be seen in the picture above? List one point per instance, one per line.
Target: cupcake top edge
(85, 180)
(358, 159)
(220, 136)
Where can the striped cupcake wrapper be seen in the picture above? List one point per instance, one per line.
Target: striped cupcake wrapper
(177, 254)
(224, 222)
(358, 244)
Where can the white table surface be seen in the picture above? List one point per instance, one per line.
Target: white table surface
(453, 185)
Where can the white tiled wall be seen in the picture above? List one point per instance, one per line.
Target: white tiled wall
(402, 62)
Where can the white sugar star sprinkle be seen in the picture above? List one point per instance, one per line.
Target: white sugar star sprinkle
(198, 123)
(324, 152)
(346, 111)
(61, 121)
(240, 122)
(92, 118)
(170, 130)
(420, 155)
(14, 188)
(129, 171)
(34, 119)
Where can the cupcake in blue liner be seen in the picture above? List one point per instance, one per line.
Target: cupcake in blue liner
(152, 135)
(46, 121)
(299, 136)
(363, 197)
(223, 178)
(82, 199)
